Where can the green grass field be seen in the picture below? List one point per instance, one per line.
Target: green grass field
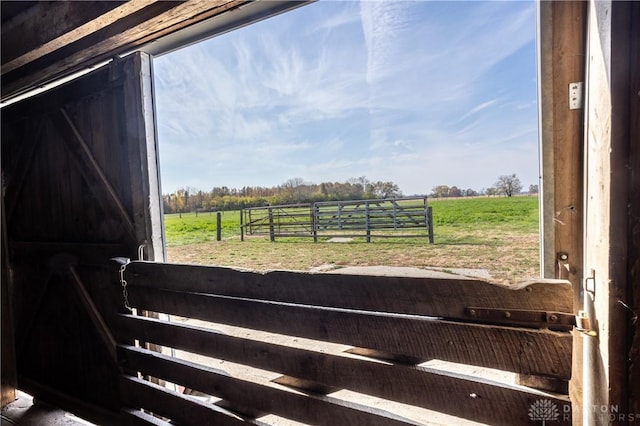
(473, 214)
(498, 234)
(190, 229)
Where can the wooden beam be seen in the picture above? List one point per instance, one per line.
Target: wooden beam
(124, 35)
(25, 38)
(436, 297)
(137, 393)
(405, 384)
(316, 410)
(563, 62)
(525, 351)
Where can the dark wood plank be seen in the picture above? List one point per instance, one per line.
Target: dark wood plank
(407, 384)
(426, 296)
(94, 314)
(25, 161)
(91, 170)
(130, 417)
(524, 351)
(316, 410)
(138, 393)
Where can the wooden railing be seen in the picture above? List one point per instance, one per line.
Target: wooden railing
(340, 349)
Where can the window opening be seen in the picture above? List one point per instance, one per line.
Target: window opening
(357, 100)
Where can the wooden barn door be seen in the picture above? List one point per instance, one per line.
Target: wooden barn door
(81, 186)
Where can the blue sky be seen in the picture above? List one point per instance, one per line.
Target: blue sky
(420, 93)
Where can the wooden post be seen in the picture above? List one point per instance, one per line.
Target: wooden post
(272, 235)
(218, 226)
(313, 223)
(366, 221)
(241, 225)
(430, 224)
(561, 41)
(395, 215)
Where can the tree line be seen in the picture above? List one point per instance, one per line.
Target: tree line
(296, 190)
(508, 185)
(293, 191)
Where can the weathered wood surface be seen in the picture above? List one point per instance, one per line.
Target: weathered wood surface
(406, 384)
(524, 351)
(401, 320)
(181, 409)
(437, 297)
(562, 33)
(568, 54)
(316, 410)
(99, 42)
(25, 38)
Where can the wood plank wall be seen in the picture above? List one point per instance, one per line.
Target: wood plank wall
(327, 334)
(75, 192)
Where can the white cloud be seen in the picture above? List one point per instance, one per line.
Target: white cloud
(394, 90)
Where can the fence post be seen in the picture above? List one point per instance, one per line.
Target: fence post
(430, 224)
(366, 221)
(395, 215)
(272, 235)
(218, 226)
(313, 223)
(241, 224)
